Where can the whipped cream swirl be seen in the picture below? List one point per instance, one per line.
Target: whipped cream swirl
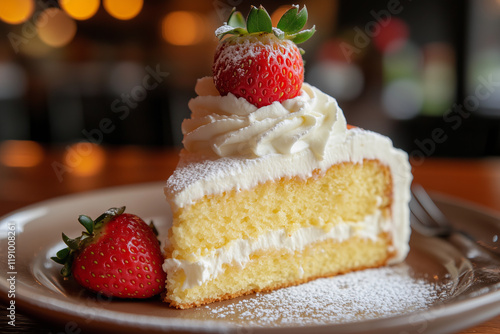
(231, 126)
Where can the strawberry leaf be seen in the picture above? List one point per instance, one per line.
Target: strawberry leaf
(153, 227)
(87, 222)
(258, 20)
(236, 20)
(66, 270)
(71, 243)
(63, 253)
(107, 216)
(62, 256)
(302, 36)
(223, 31)
(58, 260)
(291, 22)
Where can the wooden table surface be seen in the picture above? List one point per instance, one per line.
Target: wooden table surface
(71, 169)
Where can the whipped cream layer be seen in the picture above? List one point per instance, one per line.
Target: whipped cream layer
(238, 252)
(229, 145)
(231, 126)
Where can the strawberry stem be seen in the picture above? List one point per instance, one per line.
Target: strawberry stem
(258, 21)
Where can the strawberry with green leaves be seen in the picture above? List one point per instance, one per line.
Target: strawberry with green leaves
(258, 62)
(117, 255)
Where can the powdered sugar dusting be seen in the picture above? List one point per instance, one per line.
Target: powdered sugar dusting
(358, 296)
(193, 168)
(223, 29)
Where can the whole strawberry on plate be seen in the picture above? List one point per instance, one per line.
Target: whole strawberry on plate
(117, 255)
(258, 62)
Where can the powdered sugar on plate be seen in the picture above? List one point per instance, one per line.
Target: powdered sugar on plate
(358, 296)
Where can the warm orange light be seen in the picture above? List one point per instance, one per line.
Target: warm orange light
(80, 9)
(85, 159)
(16, 11)
(278, 13)
(35, 48)
(182, 28)
(20, 153)
(55, 27)
(123, 9)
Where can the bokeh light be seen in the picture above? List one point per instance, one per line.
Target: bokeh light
(80, 9)
(339, 79)
(55, 27)
(13, 81)
(124, 76)
(393, 35)
(484, 63)
(36, 48)
(405, 62)
(438, 78)
(123, 9)
(403, 98)
(403, 95)
(332, 50)
(85, 159)
(16, 11)
(182, 28)
(20, 153)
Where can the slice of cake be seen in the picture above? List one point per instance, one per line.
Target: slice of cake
(274, 190)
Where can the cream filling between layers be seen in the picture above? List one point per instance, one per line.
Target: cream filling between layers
(238, 252)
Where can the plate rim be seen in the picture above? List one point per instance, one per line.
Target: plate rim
(434, 312)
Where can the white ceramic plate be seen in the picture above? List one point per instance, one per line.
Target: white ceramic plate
(40, 291)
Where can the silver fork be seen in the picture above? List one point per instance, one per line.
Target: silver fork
(427, 219)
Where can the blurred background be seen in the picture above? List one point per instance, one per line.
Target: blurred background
(120, 72)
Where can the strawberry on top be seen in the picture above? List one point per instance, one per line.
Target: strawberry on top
(258, 62)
